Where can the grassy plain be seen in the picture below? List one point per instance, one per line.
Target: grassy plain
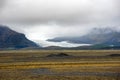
(78, 65)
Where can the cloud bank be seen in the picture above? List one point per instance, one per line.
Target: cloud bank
(45, 19)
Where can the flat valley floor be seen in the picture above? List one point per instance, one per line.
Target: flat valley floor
(60, 65)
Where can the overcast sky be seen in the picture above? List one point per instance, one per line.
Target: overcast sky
(44, 19)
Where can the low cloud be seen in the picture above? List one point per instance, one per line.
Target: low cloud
(44, 19)
(60, 12)
(2, 3)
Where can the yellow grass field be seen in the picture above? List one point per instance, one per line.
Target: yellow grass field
(77, 65)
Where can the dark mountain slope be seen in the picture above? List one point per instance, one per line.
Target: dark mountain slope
(12, 39)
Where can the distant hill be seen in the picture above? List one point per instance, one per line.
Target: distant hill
(97, 36)
(13, 40)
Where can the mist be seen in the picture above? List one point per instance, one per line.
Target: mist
(40, 20)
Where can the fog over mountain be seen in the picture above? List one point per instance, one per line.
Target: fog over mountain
(106, 36)
(41, 20)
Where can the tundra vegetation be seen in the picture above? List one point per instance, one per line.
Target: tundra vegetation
(60, 65)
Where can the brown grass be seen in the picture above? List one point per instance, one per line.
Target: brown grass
(15, 65)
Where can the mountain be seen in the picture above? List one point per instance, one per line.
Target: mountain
(97, 36)
(13, 40)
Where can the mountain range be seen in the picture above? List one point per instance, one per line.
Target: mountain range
(10, 39)
(97, 36)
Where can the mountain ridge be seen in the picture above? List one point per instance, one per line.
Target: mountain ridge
(96, 36)
(12, 39)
